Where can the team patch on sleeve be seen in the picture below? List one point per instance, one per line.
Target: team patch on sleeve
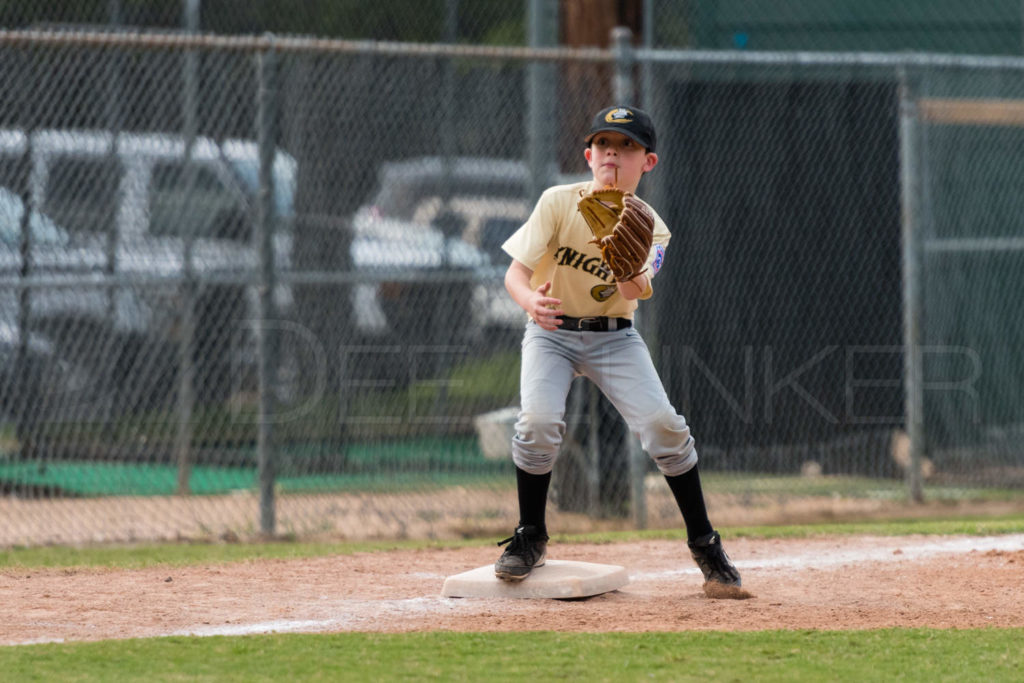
(659, 258)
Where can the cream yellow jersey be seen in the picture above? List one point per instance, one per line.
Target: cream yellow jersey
(555, 243)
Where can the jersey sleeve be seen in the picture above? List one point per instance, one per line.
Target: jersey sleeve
(530, 242)
(656, 259)
(659, 247)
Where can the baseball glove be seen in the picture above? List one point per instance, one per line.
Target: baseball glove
(623, 229)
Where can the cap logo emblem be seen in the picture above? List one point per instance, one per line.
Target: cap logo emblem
(619, 115)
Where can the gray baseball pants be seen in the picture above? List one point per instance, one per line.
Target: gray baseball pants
(620, 365)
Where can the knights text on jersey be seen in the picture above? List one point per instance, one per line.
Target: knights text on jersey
(555, 243)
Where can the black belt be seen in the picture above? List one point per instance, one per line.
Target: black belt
(594, 324)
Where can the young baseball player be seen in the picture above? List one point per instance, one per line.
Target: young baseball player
(580, 301)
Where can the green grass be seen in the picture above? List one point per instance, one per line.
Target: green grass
(183, 554)
(890, 655)
(793, 486)
(980, 526)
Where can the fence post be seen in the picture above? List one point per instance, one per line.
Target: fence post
(266, 337)
(189, 287)
(26, 425)
(543, 32)
(910, 181)
(622, 47)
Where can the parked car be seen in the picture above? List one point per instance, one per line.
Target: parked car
(148, 211)
(36, 376)
(145, 209)
(471, 205)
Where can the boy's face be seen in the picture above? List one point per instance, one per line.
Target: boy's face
(613, 154)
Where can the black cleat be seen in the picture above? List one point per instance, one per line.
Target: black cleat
(709, 555)
(527, 549)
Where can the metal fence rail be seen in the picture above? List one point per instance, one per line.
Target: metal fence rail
(253, 284)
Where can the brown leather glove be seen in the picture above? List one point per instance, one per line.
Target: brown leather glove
(623, 228)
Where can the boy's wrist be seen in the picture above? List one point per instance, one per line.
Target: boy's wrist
(633, 288)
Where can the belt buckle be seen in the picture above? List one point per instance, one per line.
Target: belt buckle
(587, 324)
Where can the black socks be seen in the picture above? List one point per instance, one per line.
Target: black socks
(533, 498)
(689, 497)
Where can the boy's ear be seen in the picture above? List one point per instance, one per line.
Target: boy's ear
(651, 161)
(587, 154)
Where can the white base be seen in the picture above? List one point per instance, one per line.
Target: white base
(556, 579)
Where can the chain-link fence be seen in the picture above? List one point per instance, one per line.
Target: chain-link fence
(978, 27)
(255, 284)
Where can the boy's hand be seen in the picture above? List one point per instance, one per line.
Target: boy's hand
(601, 210)
(545, 309)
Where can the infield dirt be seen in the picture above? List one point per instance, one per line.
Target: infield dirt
(837, 582)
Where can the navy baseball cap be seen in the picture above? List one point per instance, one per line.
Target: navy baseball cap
(630, 121)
